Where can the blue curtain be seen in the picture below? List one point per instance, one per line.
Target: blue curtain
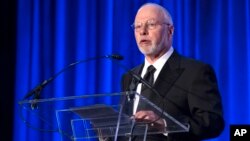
(51, 34)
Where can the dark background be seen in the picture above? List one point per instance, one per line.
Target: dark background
(7, 54)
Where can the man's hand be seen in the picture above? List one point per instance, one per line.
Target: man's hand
(150, 116)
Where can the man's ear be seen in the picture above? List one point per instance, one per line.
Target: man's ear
(171, 30)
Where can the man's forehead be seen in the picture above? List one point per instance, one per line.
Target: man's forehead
(148, 12)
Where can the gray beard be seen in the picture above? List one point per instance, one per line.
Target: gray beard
(155, 49)
(151, 51)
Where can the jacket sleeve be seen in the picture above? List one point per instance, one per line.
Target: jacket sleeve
(205, 105)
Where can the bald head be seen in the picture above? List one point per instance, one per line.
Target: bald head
(161, 12)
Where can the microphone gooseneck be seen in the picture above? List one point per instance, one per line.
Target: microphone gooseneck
(115, 56)
(35, 92)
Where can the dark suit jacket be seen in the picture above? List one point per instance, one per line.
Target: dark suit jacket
(190, 92)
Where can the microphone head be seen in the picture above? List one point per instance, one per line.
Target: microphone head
(115, 56)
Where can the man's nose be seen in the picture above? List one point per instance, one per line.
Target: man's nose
(144, 30)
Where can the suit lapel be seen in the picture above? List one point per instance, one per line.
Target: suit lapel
(169, 74)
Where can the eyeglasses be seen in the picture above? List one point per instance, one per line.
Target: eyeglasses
(150, 24)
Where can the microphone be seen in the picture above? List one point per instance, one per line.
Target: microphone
(36, 91)
(115, 56)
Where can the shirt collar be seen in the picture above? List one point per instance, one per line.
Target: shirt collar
(158, 64)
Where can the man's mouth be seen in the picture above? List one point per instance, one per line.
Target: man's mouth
(145, 42)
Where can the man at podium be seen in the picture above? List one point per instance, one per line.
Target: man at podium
(187, 87)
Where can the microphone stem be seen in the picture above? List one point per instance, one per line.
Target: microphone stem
(38, 89)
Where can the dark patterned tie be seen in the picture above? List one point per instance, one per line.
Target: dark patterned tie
(149, 77)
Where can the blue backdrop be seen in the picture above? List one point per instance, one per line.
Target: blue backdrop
(54, 33)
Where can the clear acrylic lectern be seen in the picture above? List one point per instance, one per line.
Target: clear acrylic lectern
(91, 118)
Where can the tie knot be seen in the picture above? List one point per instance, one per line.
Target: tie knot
(151, 69)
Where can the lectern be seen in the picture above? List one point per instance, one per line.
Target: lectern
(91, 118)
